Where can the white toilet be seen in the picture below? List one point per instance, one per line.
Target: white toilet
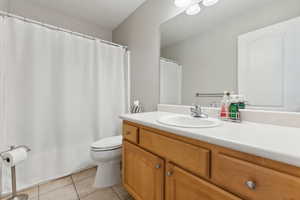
(107, 155)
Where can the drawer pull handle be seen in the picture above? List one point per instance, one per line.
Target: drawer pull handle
(158, 166)
(127, 132)
(251, 185)
(169, 173)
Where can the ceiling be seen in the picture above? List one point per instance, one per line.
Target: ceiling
(183, 26)
(105, 13)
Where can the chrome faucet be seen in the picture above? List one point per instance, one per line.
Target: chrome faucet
(196, 111)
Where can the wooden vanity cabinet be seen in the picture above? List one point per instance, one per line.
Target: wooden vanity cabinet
(143, 173)
(158, 165)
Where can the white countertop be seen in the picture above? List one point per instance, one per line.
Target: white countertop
(269, 141)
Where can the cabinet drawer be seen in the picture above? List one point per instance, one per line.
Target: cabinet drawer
(254, 182)
(190, 157)
(183, 185)
(130, 133)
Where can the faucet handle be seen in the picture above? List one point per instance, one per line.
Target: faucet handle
(196, 111)
(196, 107)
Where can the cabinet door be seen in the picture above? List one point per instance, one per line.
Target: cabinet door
(182, 185)
(143, 173)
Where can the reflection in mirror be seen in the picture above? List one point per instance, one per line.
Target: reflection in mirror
(249, 47)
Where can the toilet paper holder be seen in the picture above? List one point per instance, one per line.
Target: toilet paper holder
(13, 148)
(15, 196)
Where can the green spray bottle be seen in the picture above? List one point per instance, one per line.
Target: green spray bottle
(234, 108)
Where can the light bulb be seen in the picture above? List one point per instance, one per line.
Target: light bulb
(193, 9)
(182, 3)
(209, 2)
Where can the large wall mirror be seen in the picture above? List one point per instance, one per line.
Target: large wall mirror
(250, 47)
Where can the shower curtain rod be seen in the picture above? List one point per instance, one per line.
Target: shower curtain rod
(6, 14)
(169, 60)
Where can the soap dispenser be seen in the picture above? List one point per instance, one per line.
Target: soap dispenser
(224, 111)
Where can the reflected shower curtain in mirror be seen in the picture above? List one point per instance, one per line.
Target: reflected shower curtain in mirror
(170, 82)
(59, 93)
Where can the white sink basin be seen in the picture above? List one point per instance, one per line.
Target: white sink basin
(187, 121)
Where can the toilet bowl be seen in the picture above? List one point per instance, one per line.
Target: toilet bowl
(106, 153)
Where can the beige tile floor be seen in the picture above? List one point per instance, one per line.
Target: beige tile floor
(78, 186)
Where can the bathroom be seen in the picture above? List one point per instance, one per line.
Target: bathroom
(149, 100)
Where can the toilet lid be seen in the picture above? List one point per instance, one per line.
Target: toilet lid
(108, 143)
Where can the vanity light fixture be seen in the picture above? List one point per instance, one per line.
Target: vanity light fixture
(209, 2)
(182, 3)
(193, 9)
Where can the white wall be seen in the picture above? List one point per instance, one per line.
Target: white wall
(49, 16)
(4, 5)
(141, 33)
(209, 60)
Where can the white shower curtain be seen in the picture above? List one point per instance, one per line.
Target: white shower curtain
(59, 93)
(2, 139)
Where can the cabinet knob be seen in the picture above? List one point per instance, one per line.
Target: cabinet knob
(158, 166)
(127, 132)
(169, 173)
(251, 185)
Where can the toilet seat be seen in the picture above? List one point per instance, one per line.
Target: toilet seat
(107, 144)
(107, 149)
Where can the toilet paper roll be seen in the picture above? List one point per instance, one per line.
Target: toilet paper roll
(14, 157)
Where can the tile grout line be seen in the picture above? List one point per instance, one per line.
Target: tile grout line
(56, 188)
(73, 182)
(119, 197)
(88, 194)
(38, 186)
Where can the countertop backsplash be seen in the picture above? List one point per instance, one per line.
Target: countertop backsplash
(290, 119)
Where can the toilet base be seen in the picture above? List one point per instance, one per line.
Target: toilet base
(108, 174)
